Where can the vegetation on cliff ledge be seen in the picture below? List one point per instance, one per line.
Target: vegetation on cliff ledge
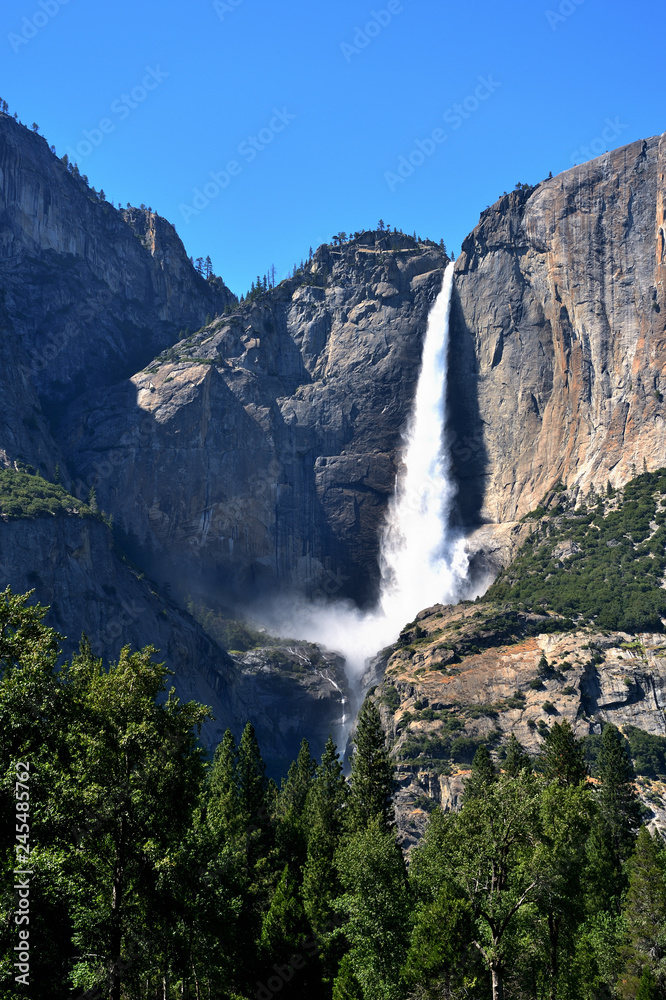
(601, 561)
(26, 495)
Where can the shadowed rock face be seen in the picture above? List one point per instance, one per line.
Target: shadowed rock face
(559, 333)
(288, 693)
(260, 453)
(89, 293)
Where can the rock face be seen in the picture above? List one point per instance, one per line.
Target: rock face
(440, 699)
(260, 453)
(286, 692)
(89, 293)
(558, 335)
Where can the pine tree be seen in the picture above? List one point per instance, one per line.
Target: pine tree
(616, 821)
(618, 801)
(284, 924)
(252, 784)
(562, 755)
(440, 940)
(222, 800)
(199, 265)
(516, 759)
(292, 829)
(324, 816)
(372, 773)
(208, 267)
(484, 774)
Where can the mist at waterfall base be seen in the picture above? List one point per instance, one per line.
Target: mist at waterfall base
(422, 560)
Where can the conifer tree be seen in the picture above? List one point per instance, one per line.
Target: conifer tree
(439, 944)
(324, 817)
(252, 784)
(516, 759)
(616, 822)
(618, 801)
(372, 773)
(484, 774)
(376, 900)
(284, 923)
(223, 801)
(562, 755)
(292, 829)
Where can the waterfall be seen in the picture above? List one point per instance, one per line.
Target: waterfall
(422, 562)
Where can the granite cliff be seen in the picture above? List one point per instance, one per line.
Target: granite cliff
(559, 335)
(260, 452)
(89, 292)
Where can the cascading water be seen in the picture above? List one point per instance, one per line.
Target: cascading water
(422, 562)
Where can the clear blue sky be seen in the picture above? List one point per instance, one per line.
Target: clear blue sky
(351, 105)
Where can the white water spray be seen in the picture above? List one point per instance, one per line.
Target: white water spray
(422, 562)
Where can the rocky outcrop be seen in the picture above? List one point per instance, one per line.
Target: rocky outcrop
(260, 453)
(459, 678)
(558, 336)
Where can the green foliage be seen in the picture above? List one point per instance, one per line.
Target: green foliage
(617, 819)
(440, 943)
(376, 903)
(390, 697)
(156, 874)
(29, 496)
(515, 758)
(230, 633)
(562, 756)
(372, 773)
(483, 775)
(644, 911)
(647, 752)
(616, 564)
